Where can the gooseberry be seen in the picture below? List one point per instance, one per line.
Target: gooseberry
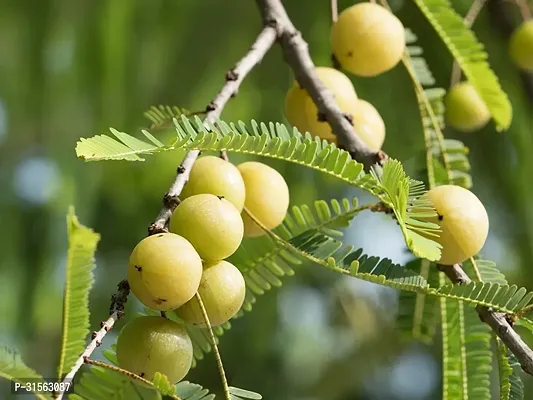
(465, 109)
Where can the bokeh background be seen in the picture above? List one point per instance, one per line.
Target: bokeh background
(71, 69)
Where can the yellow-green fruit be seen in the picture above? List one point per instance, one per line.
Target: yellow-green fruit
(267, 197)
(367, 39)
(164, 271)
(463, 220)
(222, 290)
(521, 46)
(213, 175)
(212, 224)
(301, 110)
(147, 345)
(465, 109)
(368, 124)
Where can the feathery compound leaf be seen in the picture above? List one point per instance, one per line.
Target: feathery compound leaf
(395, 189)
(478, 354)
(471, 57)
(163, 116)
(511, 386)
(13, 368)
(82, 242)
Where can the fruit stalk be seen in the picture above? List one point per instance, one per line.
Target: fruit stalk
(295, 50)
(234, 78)
(497, 321)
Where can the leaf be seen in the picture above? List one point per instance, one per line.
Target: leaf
(394, 188)
(239, 394)
(163, 116)
(82, 242)
(13, 368)
(162, 384)
(471, 57)
(511, 386)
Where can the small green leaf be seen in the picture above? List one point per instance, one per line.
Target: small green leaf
(239, 394)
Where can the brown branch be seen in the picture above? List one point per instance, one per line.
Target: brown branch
(116, 311)
(234, 78)
(296, 53)
(496, 320)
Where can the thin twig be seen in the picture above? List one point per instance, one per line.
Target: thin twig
(334, 10)
(471, 15)
(525, 11)
(496, 320)
(213, 339)
(234, 78)
(297, 56)
(116, 311)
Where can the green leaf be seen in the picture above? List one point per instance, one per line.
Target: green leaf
(162, 384)
(471, 57)
(394, 188)
(511, 386)
(163, 116)
(13, 368)
(240, 394)
(82, 242)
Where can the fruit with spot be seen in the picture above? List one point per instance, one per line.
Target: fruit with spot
(164, 271)
(212, 224)
(465, 109)
(151, 344)
(267, 197)
(213, 175)
(222, 290)
(463, 220)
(367, 39)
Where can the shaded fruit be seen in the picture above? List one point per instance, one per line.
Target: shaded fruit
(463, 220)
(164, 271)
(465, 109)
(222, 290)
(302, 112)
(367, 39)
(212, 224)
(368, 124)
(267, 197)
(147, 345)
(521, 46)
(213, 175)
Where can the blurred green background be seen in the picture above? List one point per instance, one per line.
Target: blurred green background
(71, 69)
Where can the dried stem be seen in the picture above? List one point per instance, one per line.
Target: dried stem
(496, 320)
(470, 17)
(296, 53)
(334, 10)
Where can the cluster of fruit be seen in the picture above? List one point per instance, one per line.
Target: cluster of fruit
(367, 40)
(167, 270)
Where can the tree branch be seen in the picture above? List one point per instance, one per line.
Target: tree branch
(297, 56)
(496, 320)
(234, 78)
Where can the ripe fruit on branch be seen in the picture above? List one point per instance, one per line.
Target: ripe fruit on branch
(222, 290)
(267, 197)
(521, 46)
(367, 39)
(465, 109)
(367, 123)
(463, 220)
(164, 271)
(301, 110)
(147, 345)
(213, 175)
(212, 224)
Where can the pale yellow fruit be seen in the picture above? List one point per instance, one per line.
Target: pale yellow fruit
(368, 124)
(301, 110)
(463, 220)
(267, 197)
(164, 271)
(465, 109)
(521, 46)
(147, 345)
(222, 290)
(367, 39)
(212, 224)
(213, 175)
